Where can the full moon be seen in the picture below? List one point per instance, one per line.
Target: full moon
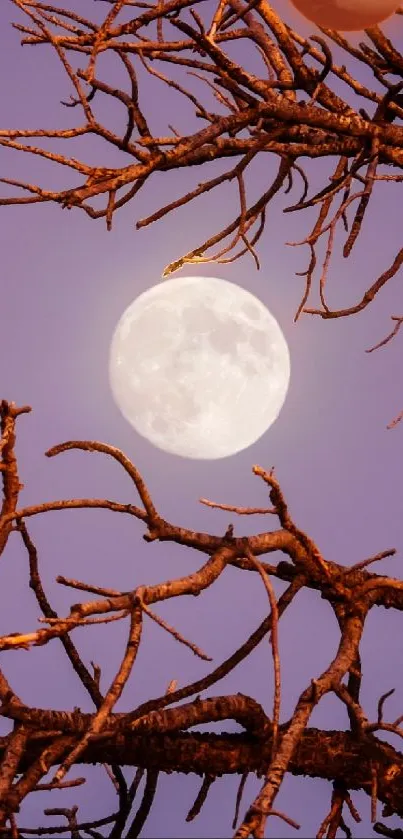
(346, 15)
(199, 367)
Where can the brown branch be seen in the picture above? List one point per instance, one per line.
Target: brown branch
(257, 813)
(195, 649)
(287, 108)
(201, 797)
(267, 108)
(274, 644)
(112, 695)
(395, 330)
(338, 756)
(142, 814)
(8, 467)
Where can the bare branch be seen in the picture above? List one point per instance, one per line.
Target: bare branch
(259, 114)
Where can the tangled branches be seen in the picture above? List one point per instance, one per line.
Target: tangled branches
(156, 736)
(288, 110)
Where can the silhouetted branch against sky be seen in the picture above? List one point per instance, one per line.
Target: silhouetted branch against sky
(284, 101)
(155, 736)
(287, 108)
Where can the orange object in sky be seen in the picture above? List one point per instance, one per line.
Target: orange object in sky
(346, 15)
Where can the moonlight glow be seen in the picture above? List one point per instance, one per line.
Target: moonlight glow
(199, 367)
(346, 15)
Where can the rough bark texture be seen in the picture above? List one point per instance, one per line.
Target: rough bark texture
(156, 737)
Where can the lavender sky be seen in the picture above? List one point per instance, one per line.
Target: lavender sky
(64, 284)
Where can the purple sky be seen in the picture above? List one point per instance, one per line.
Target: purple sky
(65, 283)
